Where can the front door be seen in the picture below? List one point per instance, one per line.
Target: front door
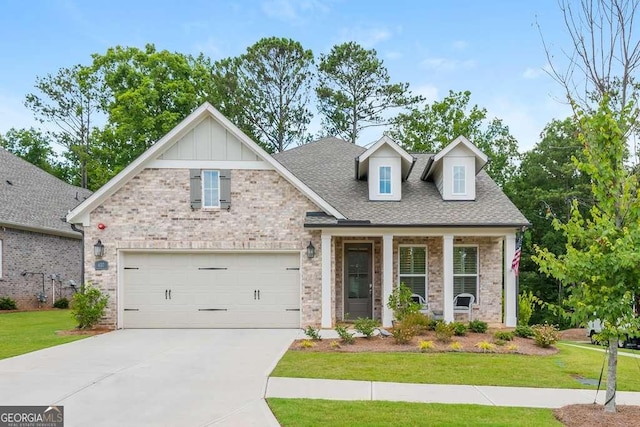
(358, 280)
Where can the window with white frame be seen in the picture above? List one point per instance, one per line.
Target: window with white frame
(412, 268)
(210, 189)
(385, 179)
(465, 270)
(459, 180)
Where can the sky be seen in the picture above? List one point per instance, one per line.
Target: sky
(492, 48)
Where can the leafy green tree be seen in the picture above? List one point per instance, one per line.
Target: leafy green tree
(270, 85)
(354, 91)
(69, 100)
(435, 125)
(601, 264)
(30, 145)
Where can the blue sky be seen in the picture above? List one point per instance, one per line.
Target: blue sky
(491, 48)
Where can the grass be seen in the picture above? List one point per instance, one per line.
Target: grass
(309, 412)
(28, 331)
(557, 371)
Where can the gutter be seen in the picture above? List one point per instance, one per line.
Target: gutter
(42, 230)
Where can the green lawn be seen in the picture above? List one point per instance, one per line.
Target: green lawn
(309, 412)
(33, 330)
(555, 371)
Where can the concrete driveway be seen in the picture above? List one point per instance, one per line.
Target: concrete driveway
(166, 377)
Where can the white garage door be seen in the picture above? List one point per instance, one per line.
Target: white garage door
(211, 290)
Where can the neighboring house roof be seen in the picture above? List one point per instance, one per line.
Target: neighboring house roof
(32, 199)
(326, 166)
(81, 213)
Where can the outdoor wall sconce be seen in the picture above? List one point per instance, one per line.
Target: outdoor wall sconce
(98, 249)
(311, 250)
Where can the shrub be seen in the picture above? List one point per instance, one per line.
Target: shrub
(526, 302)
(401, 303)
(365, 326)
(523, 331)
(512, 348)
(61, 303)
(425, 346)
(307, 344)
(88, 306)
(478, 326)
(7, 303)
(444, 331)
(418, 320)
(485, 346)
(335, 344)
(431, 324)
(403, 332)
(503, 335)
(499, 343)
(459, 329)
(345, 335)
(456, 346)
(545, 335)
(313, 333)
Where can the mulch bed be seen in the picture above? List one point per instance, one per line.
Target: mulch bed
(594, 415)
(94, 331)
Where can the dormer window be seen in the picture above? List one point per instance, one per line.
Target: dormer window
(459, 180)
(385, 179)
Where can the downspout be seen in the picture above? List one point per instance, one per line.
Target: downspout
(81, 231)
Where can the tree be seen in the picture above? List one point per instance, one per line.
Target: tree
(354, 92)
(270, 84)
(69, 100)
(601, 263)
(435, 125)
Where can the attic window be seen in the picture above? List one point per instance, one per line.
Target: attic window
(459, 180)
(385, 179)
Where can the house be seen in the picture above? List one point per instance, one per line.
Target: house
(34, 237)
(206, 229)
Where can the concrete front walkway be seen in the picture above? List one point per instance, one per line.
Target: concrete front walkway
(437, 393)
(152, 377)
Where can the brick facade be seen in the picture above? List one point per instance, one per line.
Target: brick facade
(37, 253)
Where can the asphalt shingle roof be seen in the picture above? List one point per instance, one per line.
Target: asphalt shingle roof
(32, 198)
(327, 167)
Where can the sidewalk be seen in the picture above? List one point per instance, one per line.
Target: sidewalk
(438, 393)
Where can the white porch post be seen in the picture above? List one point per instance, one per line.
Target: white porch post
(447, 275)
(510, 296)
(326, 321)
(387, 278)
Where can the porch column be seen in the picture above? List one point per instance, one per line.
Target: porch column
(510, 297)
(387, 278)
(326, 321)
(447, 276)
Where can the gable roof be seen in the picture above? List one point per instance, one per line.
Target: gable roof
(481, 158)
(362, 161)
(32, 199)
(421, 203)
(81, 213)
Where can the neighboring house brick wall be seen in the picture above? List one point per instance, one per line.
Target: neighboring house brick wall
(37, 252)
(152, 211)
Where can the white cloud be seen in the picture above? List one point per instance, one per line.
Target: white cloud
(292, 11)
(429, 92)
(460, 45)
(367, 37)
(447, 64)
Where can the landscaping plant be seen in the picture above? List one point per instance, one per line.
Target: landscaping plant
(456, 346)
(444, 331)
(403, 332)
(401, 303)
(486, 346)
(7, 303)
(61, 303)
(425, 346)
(503, 335)
(459, 329)
(88, 306)
(523, 331)
(313, 333)
(478, 326)
(307, 344)
(344, 334)
(545, 335)
(365, 326)
(418, 321)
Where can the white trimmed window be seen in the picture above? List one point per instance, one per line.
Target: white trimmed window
(385, 179)
(412, 268)
(465, 270)
(210, 189)
(459, 180)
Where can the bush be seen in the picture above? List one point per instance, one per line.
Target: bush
(425, 346)
(345, 335)
(512, 348)
(418, 320)
(486, 347)
(335, 345)
(88, 306)
(313, 333)
(7, 303)
(403, 332)
(456, 346)
(459, 329)
(61, 303)
(401, 303)
(545, 335)
(523, 331)
(444, 331)
(365, 326)
(478, 326)
(307, 344)
(431, 324)
(503, 335)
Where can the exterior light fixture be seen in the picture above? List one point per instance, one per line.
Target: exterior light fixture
(311, 250)
(98, 249)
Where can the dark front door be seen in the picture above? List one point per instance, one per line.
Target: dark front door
(358, 280)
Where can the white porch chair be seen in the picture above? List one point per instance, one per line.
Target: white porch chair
(463, 303)
(424, 307)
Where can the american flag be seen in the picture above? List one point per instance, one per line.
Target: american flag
(515, 264)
